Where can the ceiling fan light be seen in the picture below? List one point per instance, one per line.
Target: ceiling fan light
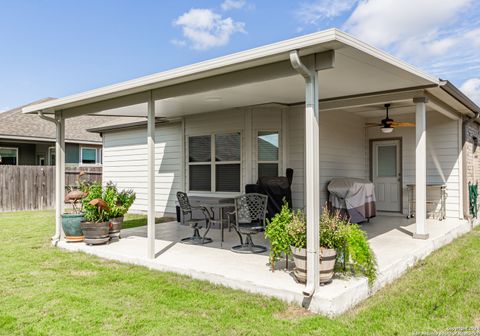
(386, 130)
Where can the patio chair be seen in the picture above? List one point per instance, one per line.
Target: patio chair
(187, 211)
(250, 213)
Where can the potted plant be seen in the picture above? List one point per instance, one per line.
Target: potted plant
(96, 213)
(118, 203)
(339, 240)
(71, 220)
(329, 242)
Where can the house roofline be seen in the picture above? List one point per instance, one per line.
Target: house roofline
(135, 124)
(453, 91)
(275, 52)
(27, 138)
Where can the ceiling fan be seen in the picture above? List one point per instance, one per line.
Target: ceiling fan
(387, 125)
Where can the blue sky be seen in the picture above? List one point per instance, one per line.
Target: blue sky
(56, 48)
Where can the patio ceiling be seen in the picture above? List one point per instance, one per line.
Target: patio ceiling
(258, 76)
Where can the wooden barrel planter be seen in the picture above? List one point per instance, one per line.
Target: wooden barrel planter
(327, 264)
(96, 233)
(71, 227)
(115, 227)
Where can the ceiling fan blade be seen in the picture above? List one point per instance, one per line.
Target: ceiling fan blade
(402, 124)
(373, 125)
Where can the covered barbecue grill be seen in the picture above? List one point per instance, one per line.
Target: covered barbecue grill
(277, 188)
(353, 197)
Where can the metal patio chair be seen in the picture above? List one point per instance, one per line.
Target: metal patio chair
(186, 209)
(250, 213)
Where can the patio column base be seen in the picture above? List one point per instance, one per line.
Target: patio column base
(423, 236)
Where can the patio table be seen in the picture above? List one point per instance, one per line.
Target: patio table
(217, 206)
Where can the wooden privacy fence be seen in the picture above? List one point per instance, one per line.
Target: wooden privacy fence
(33, 187)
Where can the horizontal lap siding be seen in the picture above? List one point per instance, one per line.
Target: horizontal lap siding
(342, 149)
(263, 118)
(442, 156)
(125, 163)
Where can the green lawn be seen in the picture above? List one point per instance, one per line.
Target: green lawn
(46, 291)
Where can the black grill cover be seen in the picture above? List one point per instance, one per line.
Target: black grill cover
(276, 188)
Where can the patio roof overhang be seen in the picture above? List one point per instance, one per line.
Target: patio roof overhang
(257, 76)
(352, 74)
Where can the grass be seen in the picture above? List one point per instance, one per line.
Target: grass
(134, 220)
(47, 291)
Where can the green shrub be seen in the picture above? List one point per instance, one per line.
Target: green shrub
(118, 202)
(348, 239)
(276, 232)
(94, 213)
(297, 229)
(356, 252)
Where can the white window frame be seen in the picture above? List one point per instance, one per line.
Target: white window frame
(16, 151)
(81, 156)
(50, 150)
(278, 161)
(213, 164)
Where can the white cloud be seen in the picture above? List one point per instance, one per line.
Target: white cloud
(205, 29)
(383, 22)
(441, 37)
(471, 88)
(474, 37)
(232, 4)
(315, 12)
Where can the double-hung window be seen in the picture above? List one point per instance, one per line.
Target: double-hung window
(267, 149)
(214, 162)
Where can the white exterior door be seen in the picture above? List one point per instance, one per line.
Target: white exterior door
(386, 173)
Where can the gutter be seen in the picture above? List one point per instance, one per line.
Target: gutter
(453, 91)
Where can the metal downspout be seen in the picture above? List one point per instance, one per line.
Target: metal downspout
(312, 203)
(56, 237)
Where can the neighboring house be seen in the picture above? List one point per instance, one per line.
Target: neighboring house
(29, 140)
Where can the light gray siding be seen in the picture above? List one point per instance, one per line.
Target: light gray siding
(247, 121)
(442, 156)
(125, 163)
(342, 149)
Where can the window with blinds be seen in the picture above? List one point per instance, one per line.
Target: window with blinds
(214, 162)
(88, 155)
(199, 160)
(267, 149)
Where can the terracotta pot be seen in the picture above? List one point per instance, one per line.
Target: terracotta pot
(327, 264)
(71, 227)
(115, 227)
(95, 233)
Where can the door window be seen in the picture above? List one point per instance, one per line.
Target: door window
(387, 161)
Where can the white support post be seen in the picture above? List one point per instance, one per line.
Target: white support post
(59, 175)
(312, 170)
(420, 168)
(151, 179)
(312, 147)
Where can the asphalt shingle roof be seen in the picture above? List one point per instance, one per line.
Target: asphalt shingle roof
(15, 123)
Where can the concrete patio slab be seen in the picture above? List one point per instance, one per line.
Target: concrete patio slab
(390, 238)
